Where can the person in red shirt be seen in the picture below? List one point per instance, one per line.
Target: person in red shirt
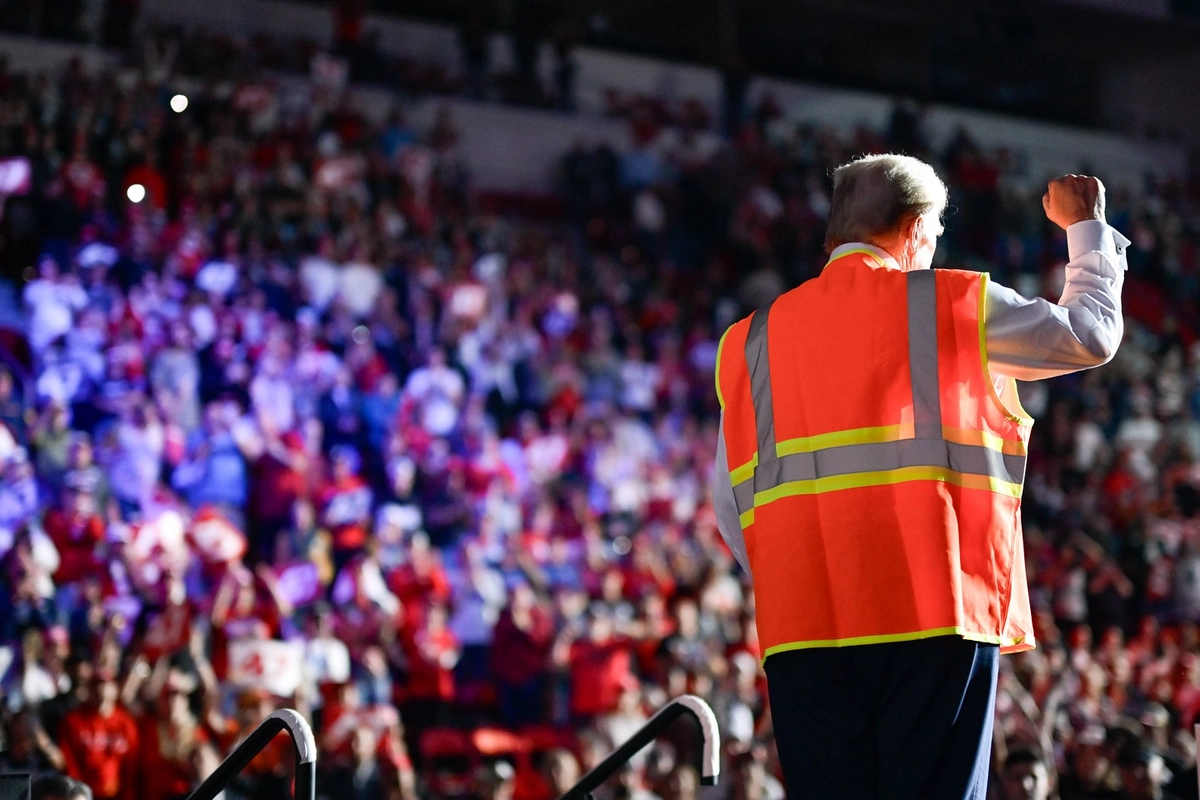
(280, 476)
(244, 609)
(433, 651)
(175, 750)
(1187, 693)
(269, 775)
(83, 179)
(649, 574)
(521, 644)
(419, 583)
(345, 505)
(99, 742)
(76, 531)
(600, 666)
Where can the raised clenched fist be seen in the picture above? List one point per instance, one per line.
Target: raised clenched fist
(1074, 198)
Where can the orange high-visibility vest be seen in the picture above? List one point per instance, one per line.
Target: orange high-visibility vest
(877, 468)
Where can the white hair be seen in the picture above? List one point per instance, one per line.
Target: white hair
(873, 195)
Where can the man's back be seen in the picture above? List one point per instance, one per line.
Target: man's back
(870, 464)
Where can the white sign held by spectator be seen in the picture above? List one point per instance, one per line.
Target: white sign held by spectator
(273, 666)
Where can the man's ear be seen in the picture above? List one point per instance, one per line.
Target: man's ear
(910, 228)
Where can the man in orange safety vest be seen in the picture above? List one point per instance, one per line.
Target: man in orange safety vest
(869, 474)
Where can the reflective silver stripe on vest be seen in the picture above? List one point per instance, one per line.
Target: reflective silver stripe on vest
(760, 382)
(879, 456)
(923, 354)
(926, 449)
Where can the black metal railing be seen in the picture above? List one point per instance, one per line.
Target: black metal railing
(688, 705)
(302, 742)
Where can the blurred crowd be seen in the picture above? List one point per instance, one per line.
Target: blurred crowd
(298, 420)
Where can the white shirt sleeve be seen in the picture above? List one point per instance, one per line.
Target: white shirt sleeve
(1031, 339)
(725, 506)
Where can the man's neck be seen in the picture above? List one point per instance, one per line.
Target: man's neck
(878, 254)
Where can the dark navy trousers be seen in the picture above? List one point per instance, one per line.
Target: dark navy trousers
(889, 721)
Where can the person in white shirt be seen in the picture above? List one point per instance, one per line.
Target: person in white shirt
(640, 381)
(52, 301)
(320, 275)
(134, 469)
(359, 286)
(271, 395)
(438, 391)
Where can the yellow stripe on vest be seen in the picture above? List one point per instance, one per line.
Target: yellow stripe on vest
(717, 369)
(743, 473)
(911, 636)
(860, 480)
(811, 444)
(1012, 447)
(1020, 416)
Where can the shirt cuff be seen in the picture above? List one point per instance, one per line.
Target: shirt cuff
(1094, 235)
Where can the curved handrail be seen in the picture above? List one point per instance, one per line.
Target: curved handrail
(710, 758)
(305, 746)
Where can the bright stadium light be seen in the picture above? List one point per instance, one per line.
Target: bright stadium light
(179, 103)
(136, 193)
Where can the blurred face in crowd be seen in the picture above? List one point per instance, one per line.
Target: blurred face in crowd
(303, 515)
(1142, 779)
(364, 744)
(630, 701)
(687, 616)
(178, 710)
(81, 501)
(48, 269)
(614, 585)
(682, 784)
(56, 649)
(600, 629)
(523, 599)
(253, 707)
(246, 596)
(749, 779)
(562, 771)
(31, 646)
(341, 468)
(1026, 780)
(107, 692)
(677, 682)
(80, 453)
(495, 782)
(1091, 763)
(1121, 669)
(1094, 681)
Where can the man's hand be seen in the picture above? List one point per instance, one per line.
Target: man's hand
(1074, 198)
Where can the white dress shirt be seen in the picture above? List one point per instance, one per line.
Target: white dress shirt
(1027, 339)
